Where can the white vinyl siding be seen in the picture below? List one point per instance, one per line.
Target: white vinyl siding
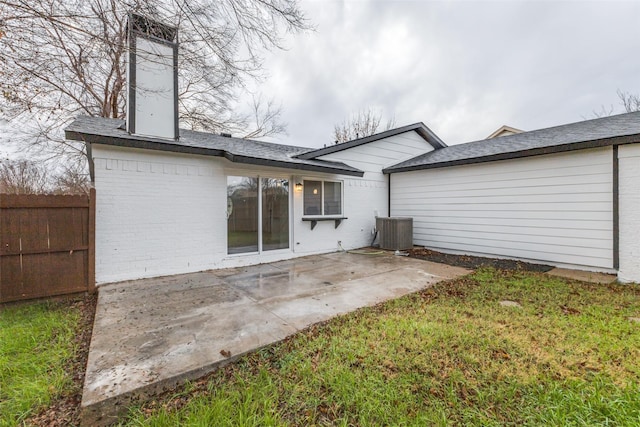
(555, 208)
(629, 213)
(377, 155)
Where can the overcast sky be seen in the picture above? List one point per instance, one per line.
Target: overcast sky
(462, 68)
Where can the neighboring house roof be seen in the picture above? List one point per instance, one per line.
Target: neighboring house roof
(504, 130)
(111, 132)
(420, 128)
(612, 130)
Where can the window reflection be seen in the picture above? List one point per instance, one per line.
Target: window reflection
(242, 214)
(275, 214)
(243, 226)
(312, 197)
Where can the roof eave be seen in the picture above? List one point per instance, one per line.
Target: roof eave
(298, 166)
(158, 145)
(428, 135)
(584, 145)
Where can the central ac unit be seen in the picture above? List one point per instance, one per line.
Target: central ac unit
(395, 233)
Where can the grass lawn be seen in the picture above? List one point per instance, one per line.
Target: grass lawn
(448, 355)
(36, 344)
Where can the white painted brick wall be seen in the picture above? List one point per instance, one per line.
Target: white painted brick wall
(629, 212)
(157, 213)
(165, 213)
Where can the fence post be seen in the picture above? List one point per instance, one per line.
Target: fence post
(91, 252)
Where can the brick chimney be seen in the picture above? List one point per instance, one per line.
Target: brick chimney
(152, 78)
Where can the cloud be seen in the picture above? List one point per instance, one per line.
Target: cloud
(464, 68)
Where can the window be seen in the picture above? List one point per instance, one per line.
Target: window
(332, 198)
(322, 198)
(313, 197)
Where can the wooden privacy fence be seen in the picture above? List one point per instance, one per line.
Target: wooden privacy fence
(47, 245)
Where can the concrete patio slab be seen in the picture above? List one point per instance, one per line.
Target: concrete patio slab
(152, 334)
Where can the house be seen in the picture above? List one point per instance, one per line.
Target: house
(566, 195)
(174, 201)
(504, 130)
(207, 201)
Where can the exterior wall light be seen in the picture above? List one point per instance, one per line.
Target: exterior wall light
(298, 186)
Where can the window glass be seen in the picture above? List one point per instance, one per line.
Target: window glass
(242, 214)
(332, 198)
(275, 214)
(312, 197)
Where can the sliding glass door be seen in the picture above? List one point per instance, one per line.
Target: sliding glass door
(257, 214)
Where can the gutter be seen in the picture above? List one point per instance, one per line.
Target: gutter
(169, 147)
(574, 146)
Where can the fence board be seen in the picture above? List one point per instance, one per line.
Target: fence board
(42, 201)
(47, 245)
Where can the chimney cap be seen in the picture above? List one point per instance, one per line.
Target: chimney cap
(152, 28)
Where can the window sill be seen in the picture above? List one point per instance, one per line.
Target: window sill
(314, 220)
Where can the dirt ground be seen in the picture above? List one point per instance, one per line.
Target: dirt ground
(473, 262)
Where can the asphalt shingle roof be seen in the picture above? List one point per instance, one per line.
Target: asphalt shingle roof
(111, 132)
(619, 129)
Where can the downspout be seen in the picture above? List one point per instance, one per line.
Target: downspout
(615, 209)
(90, 162)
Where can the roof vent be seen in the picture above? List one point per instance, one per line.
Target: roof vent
(226, 135)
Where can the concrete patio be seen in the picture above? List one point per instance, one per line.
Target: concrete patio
(152, 334)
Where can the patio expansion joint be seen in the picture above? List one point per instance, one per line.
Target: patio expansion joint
(283, 320)
(241, 291)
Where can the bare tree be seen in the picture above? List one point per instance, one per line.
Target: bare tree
(266, 119)
(629, 101)
(603, 112)
(23, 177)
(63, 58)
(72, 179)
(361, 124)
